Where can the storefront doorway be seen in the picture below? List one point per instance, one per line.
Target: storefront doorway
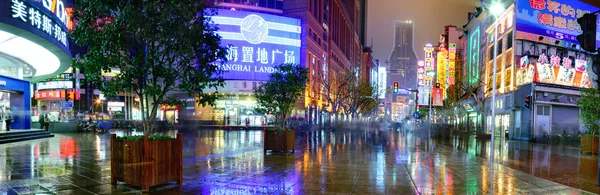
(542, 120)
(15, 95)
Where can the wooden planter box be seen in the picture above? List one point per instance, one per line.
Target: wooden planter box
(279, 140)
(146, 163)
(589, 143)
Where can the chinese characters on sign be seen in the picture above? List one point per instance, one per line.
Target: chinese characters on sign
(421, 73)
(262, 55)
(253, 57)
(52, 94)
(451, 62)
(441, 67)
(554, 72)
(473, 60)
(429, 66)
(556, 19)
(31, 15)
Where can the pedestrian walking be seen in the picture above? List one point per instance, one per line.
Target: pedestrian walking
(45, 121)
(8, 118)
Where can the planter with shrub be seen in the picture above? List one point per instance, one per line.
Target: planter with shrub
(146, 161)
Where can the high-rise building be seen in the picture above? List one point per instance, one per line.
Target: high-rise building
(402, 64)
(333, 43)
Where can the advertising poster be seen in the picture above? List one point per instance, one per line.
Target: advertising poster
(556, 19)
(438, 97)
(559, 72)
(256, 43)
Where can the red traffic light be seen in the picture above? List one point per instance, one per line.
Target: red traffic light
(528, 101)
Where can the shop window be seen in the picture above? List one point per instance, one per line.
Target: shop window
(244, 84)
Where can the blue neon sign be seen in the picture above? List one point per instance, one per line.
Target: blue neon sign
(256, 43)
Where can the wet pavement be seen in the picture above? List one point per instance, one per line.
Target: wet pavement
(348, 162)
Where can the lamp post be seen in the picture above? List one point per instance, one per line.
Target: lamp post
(496, 9)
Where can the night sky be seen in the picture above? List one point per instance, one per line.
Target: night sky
(430, 17)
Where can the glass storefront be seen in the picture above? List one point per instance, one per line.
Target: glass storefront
(14, 95)
(237, 111)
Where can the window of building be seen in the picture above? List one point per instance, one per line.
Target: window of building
(509, 40)
(491, 53)
(499, 47)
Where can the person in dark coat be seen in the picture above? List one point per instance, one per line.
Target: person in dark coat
(44, 121)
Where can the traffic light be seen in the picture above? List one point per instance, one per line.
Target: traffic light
(395, 87)
(69, 95)
(437, 85)
(587, 39)
(528, 102)
(66, 95)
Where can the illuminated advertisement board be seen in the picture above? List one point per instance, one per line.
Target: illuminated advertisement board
(554, 70)
(55, 85)
(52, 94)
(556, 19)
(451, 62)
(421, 73)
(382, 81)
(429, 65)
(473, 56)
(256, 43)
(441, 68)
(438, 96)
(49, 18)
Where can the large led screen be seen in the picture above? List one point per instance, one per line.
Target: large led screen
(553, 18)
(257, 43)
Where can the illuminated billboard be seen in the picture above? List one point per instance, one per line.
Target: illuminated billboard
(429, 66)
(556, 19)
(554, 70)
(473, 56)
(256, 43)
(451, 62)
(441, 68)
(382, 82)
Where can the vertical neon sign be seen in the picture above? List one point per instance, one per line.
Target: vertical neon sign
(473, 57)
(429, 67)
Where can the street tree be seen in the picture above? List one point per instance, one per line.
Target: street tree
(335, 89)
(590, 111)
(278, 96)
(359, 98)
(476, 91)
(149, 48)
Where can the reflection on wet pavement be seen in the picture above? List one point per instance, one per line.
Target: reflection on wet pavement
(350, 162)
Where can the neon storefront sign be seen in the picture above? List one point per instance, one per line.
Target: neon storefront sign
(27, 13)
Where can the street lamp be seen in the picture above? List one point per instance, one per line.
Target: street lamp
(99, 101)
(496, 9)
